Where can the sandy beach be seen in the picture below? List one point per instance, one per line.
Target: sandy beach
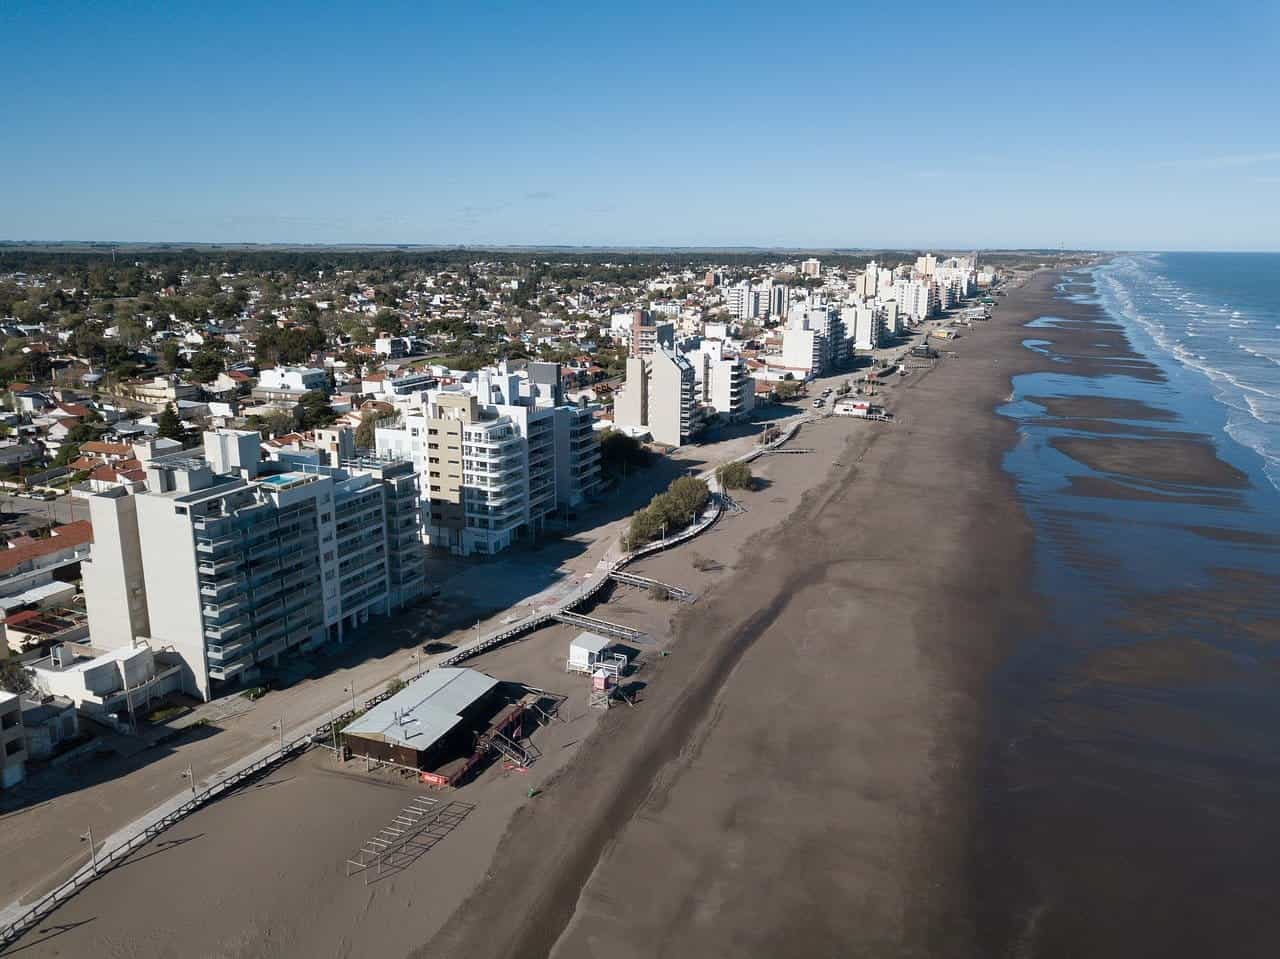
(801, 779)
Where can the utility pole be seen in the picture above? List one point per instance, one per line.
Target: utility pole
(189, 774)
(93, 853)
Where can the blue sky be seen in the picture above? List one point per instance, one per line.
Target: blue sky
(1116, 125)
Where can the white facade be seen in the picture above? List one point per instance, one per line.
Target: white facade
(293, 378)
(497, 455)
(660, 396)
(238, 568)
(13, 742)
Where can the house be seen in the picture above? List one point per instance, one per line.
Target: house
(121, 682)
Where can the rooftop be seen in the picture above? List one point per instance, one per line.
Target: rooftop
(425, 710)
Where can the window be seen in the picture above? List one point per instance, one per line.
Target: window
(326, 517)
(13, 747)
(328, 556)
(435, 488)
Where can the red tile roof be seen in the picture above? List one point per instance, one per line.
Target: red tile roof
(65, 537)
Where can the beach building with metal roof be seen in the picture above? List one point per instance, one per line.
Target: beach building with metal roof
(432, 720)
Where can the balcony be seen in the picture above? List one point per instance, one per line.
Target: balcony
(221, 612)
(222, 633)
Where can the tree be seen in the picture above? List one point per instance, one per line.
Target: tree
(735, 476)
(620, 452)
(366, 437)
(13, 678)
(66, 453)
(169, 357)
(316, 411)
(787, 389)
(169, 424)
(206, 365)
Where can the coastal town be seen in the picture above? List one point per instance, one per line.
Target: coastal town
(387, 511)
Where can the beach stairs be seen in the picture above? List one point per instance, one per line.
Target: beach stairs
(509, 749)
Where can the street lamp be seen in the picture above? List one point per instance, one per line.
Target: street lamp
(417, 664)
(352, 690)
(191, 776)
(93, 853)
(280, 726)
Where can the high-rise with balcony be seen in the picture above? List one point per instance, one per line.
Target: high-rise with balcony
(497, 455)
(243, 561)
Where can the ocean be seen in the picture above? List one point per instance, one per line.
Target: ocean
(1217, 314)
(1131, 796)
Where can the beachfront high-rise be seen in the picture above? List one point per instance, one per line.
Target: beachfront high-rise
(498, 455)
(244, 561)
(660, 397)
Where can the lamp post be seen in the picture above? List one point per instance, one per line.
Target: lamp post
(93, 852)
(352, 690)
(417, 664)
(189, 774)
(280, 726)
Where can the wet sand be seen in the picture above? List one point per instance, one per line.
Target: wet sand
(1181, 461)
(800, 779)
(1130, 783)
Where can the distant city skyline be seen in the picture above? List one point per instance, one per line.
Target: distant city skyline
(655, 126)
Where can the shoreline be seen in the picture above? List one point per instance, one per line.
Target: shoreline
(1127, 750)
(664, 815)
(869, 519)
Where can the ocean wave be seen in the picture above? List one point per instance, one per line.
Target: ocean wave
(1241, 373)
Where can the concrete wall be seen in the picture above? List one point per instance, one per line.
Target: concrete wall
(115, 593)
(173, 588)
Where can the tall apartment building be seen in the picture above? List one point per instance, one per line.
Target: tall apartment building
(811, 267)
(867, 325)
(815, 340)
(779, 299)
(925, 264)
(243, 561)
(660, 396)
(722, 380)
(498, 456)
(917, 299)
(747, 302)
(647, 333)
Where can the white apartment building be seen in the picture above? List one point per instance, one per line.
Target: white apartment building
(723, 384)
(497, 456)
(747, 302)
(803, 351)
(814, 341)
(811, 267)
(660, 396)
(867, 323)
(243, 561)
(917, 299)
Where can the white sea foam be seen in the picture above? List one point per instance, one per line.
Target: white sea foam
(1241, 373)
